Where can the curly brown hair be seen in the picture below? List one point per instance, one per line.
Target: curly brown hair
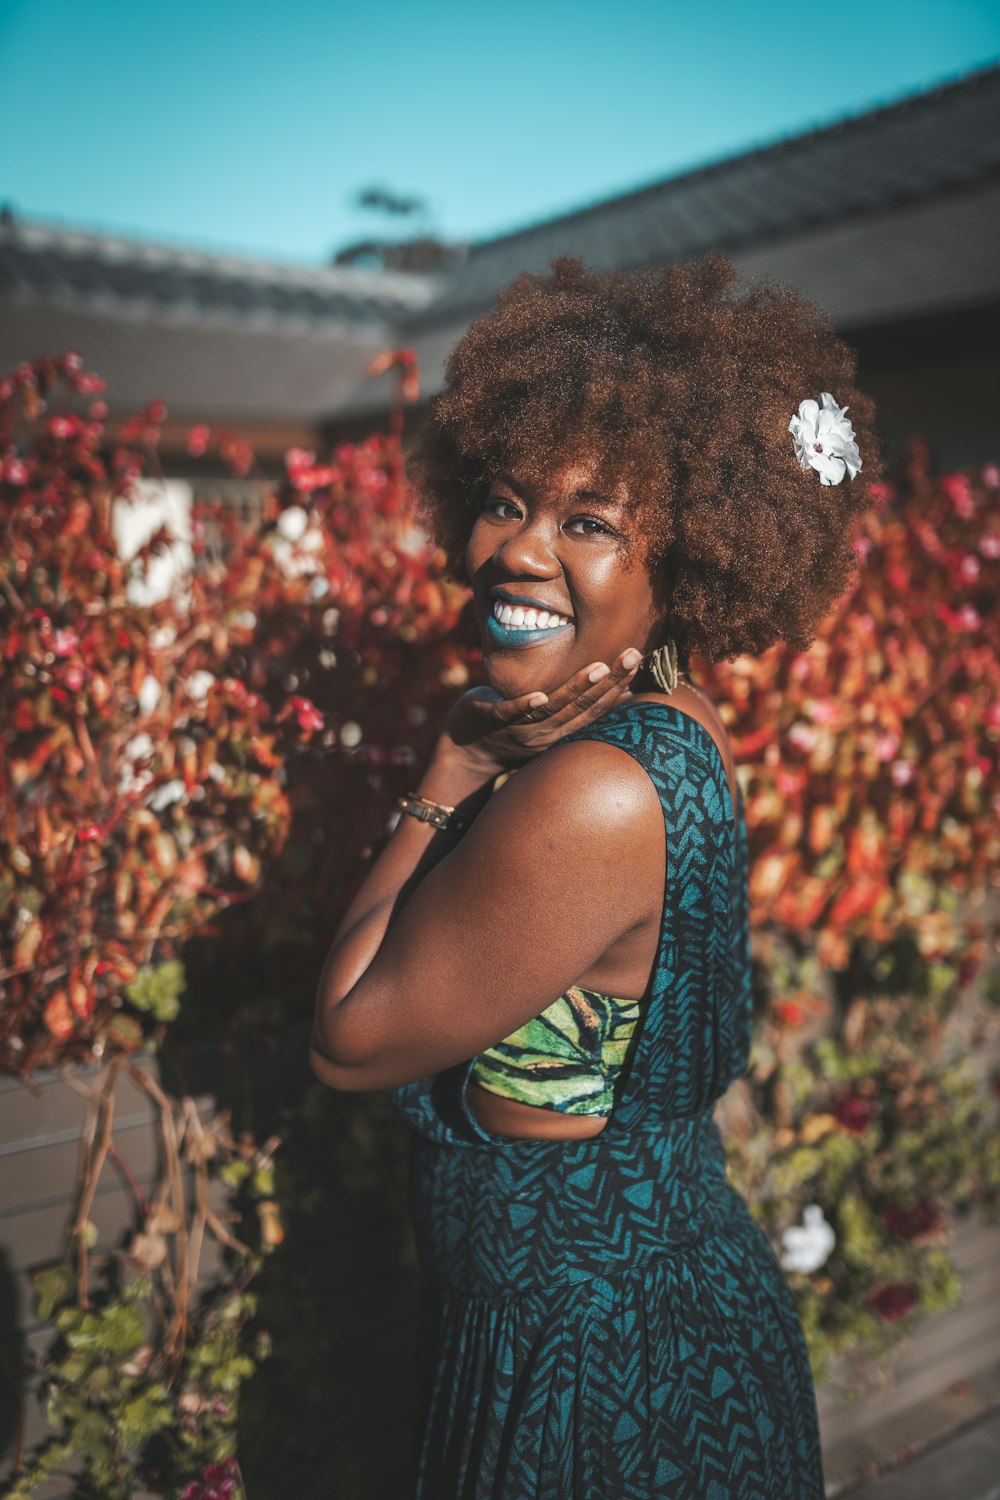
(677, 382)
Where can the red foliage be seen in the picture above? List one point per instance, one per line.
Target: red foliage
(915, 1219)
(133, 807)
(893, 1300)
(871, 760)
(856, 1113)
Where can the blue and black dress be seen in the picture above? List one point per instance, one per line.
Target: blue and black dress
(602, 1318)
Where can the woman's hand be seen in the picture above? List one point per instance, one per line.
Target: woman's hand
(492, 734)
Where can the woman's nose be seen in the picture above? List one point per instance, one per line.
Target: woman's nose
(529, 549)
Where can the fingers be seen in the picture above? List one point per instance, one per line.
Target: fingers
(591, 691)
(582, 697)
(530, 707)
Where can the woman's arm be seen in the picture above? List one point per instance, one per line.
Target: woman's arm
(358, 977)
(411, 852)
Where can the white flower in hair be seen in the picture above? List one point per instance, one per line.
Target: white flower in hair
(824, 439)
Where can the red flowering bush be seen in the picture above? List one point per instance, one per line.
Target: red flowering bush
(141, 794)
(153, 767)
(870, 761)
(871, 770)
(207, 776)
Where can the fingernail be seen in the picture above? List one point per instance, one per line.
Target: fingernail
(537, 699)
(596, 673)
(631, 659)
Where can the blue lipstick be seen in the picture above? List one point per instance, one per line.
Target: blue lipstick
(510, 636)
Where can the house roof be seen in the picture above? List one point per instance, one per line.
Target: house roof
(41, 262)
(881, 216)
(219, 338)
(926, 145)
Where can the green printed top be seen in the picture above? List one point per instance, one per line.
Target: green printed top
(567, 1058)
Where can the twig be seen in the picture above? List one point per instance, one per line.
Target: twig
(141, 1202)
(12, 593)
(93, 1165)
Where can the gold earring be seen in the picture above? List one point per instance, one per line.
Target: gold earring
(663, 666)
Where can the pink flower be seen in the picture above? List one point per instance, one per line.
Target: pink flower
(297, 459)
(862, 547)
(15, 472)
(991, 477)
(307, 713)
(62, 427)
(197, 440)
(65, 642)
(989, 544)
(802, 737)
(965, 618)
(91, 385)
(901, 772)
(959, 491)
(886, 746)
(969, 568)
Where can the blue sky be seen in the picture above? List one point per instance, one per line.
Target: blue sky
(251, 126)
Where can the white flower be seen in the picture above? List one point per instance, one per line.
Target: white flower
(198, 685)
(824, 439)
(293, 522)
(139, 747)
(805, 1247)
(165, 794)
(296, 551)
(149, 694)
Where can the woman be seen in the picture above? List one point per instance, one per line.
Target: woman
(552, 974)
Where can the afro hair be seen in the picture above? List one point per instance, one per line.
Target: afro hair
(678, 383)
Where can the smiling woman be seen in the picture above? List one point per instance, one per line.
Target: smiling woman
(550, 971)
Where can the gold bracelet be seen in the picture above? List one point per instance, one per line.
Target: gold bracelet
(439, 814)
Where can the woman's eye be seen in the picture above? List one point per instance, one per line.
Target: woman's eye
(499, 505)
(590, 526)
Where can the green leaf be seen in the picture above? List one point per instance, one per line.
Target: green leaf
(53, 1286)
(156, 990)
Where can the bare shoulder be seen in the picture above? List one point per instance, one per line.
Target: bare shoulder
(586, 791)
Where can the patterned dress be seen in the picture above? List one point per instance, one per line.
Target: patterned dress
(603, 1319)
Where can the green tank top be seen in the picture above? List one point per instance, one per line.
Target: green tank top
(568, 1058)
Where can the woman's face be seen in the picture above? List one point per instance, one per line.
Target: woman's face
(559, 580)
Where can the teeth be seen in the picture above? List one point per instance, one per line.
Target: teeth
(519, 617)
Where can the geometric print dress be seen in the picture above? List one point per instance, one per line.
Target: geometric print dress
(603, 1318)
